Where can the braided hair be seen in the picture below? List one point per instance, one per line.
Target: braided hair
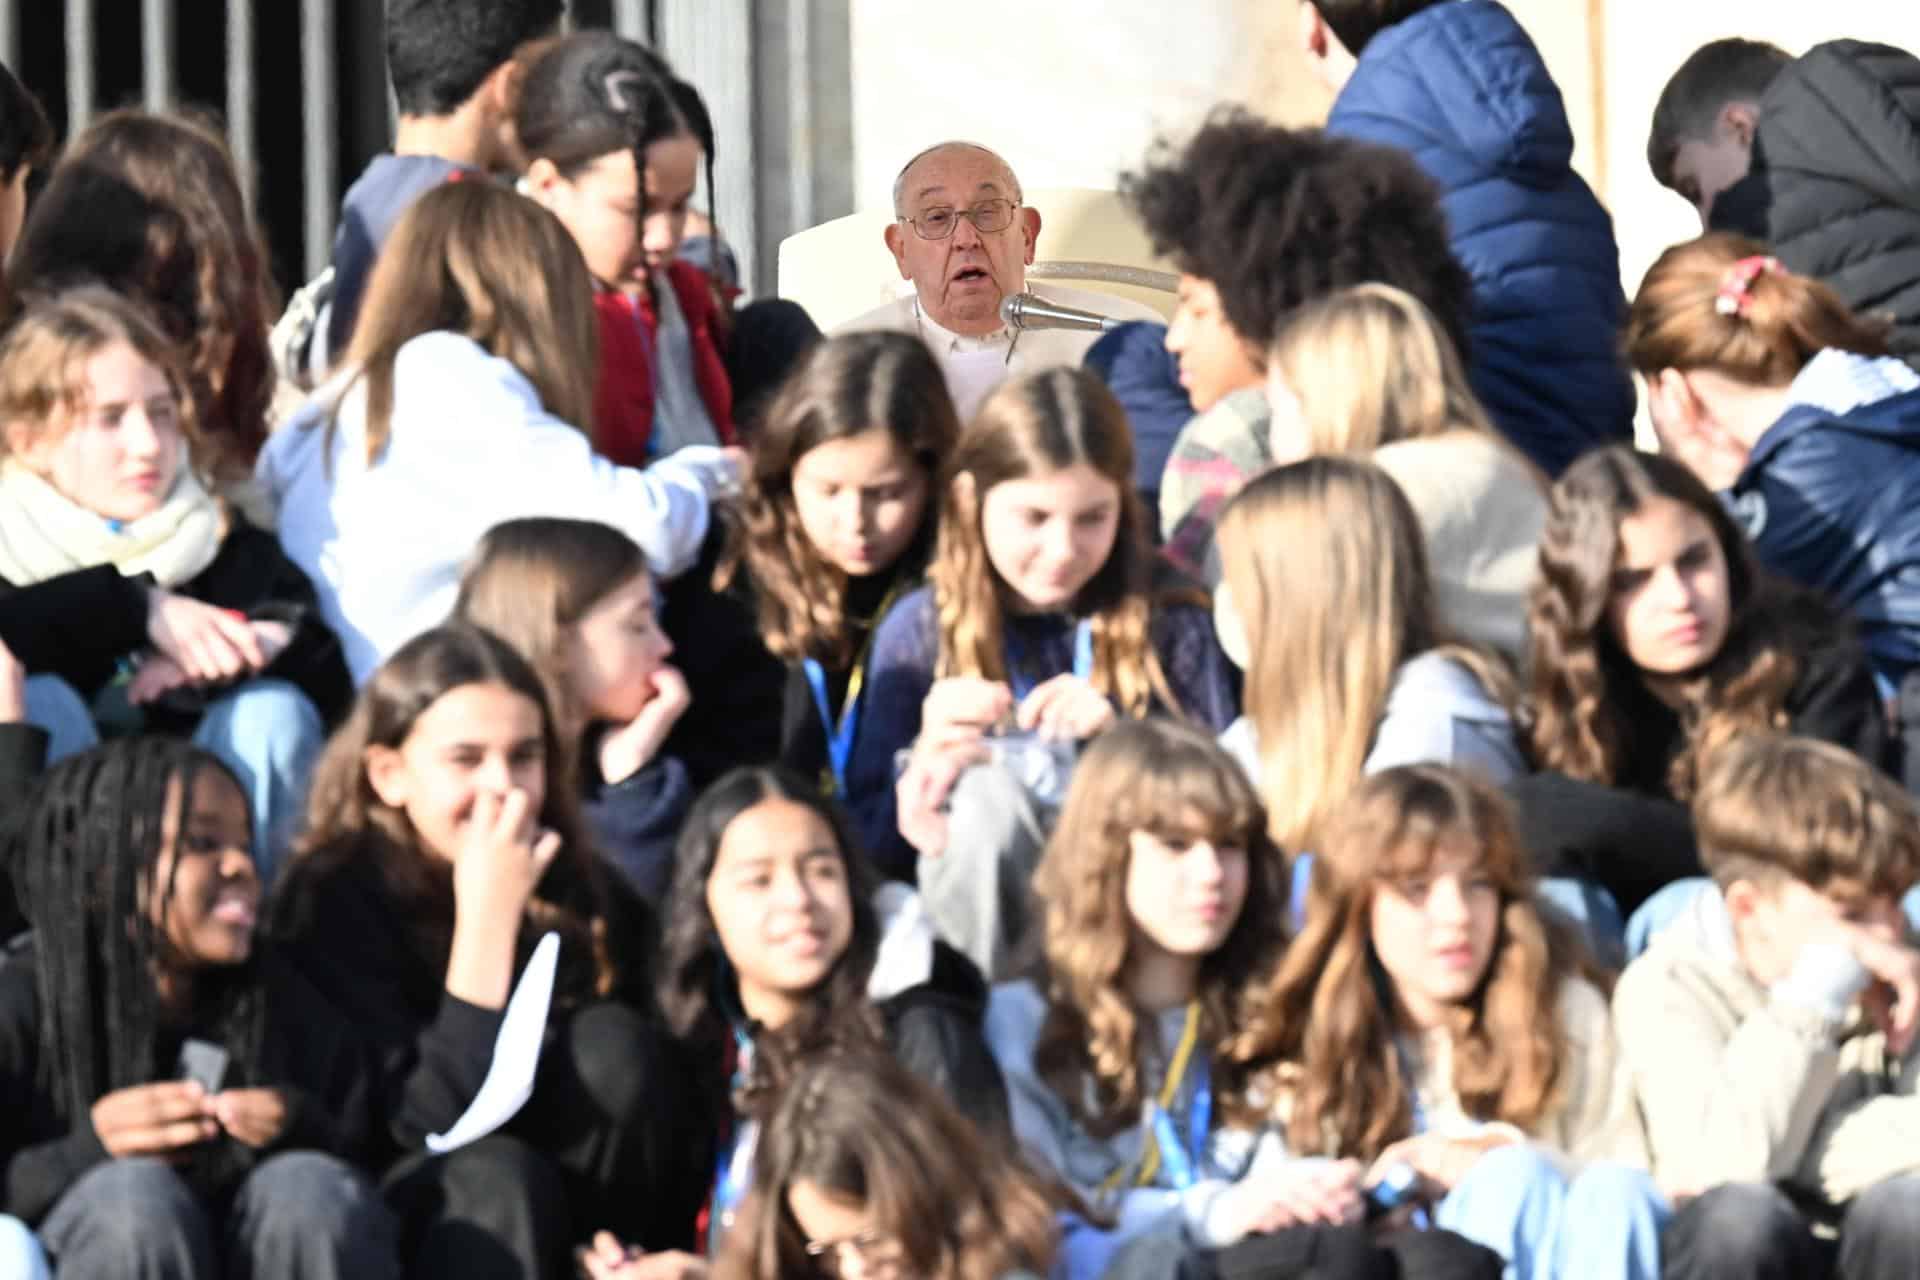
(82, 858)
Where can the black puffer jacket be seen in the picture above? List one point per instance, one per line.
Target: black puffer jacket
(1839, 148)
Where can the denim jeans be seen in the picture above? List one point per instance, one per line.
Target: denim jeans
(300, 1215)
(21, 1257)
(1750, 1231)
(266, 731)
(1601, 1223)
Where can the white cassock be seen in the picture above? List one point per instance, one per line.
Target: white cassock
(974, 366)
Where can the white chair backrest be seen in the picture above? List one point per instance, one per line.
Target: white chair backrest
(1088, 239)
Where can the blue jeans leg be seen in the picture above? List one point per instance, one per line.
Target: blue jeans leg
(55, 706)
(1512, 1201)
(1659, 911)
(269, 734)
(1611, 1226)
(1593, 910)
(20, 1253)
(129, 1217)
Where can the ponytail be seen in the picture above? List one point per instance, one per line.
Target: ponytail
(1720, 303)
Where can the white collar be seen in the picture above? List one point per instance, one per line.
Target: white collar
(946, 342)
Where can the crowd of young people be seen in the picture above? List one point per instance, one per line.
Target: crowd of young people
(1411, 833)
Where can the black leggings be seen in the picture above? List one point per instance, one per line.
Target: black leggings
(606, 1142)
(1347, 1253)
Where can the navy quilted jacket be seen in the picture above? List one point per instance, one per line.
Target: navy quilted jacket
(1462, 87)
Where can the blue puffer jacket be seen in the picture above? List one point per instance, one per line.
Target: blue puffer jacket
(1461, 87)
(1833, 501)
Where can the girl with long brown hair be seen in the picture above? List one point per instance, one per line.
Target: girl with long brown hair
(1769, 389)
(1134, 1053)
(575, 599)
(1429, 1023)
(1045, 615)
(835, 523)
(444, 840)
(465, 400)
(1654, 639)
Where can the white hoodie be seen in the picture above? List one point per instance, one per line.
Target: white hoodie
(469, 446)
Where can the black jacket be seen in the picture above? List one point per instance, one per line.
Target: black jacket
(378, 961)
(934, 1028)
(1634, 838)
(1836, 184)
(637, 819)
(79, 625)
(306, 1047)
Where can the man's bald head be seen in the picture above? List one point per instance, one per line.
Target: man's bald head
(1008, 178)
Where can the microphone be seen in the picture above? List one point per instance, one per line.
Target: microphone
(1024, 311)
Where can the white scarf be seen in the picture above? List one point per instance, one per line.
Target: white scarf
(44, 533)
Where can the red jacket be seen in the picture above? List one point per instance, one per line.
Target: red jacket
(629, 339)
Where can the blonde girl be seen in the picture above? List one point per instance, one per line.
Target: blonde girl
(1043, 614)
(1431, 1024)
(1350, 669)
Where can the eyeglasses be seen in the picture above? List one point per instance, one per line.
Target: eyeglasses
(938, 222)
(875, 1251)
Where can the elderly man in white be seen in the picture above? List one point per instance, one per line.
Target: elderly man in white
(963, 236)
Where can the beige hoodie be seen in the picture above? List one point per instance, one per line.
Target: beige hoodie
(1739, 1085)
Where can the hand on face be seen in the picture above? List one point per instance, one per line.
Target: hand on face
(505, 854)
(627, 750)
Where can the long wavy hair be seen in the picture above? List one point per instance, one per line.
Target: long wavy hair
(347, 821)
(865, 1129)
(1585, 697)
(1342, 1087)
(843, 387)
(1030, 426)
(698, 991)
(1785, 320)
(532, 580)
(1174, 781)
(475, 259)
(1326, 566)
(152, 206)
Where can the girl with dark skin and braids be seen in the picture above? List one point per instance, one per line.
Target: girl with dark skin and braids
(132, 865)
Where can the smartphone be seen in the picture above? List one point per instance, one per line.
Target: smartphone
(204, 1062)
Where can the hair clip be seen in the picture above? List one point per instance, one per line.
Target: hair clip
(619, 85)
(1736, 286)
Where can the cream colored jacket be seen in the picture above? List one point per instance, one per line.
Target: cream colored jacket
(1738, 1086)
(1593, 1118)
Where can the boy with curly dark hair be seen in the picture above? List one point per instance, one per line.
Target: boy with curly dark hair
(1260, 220)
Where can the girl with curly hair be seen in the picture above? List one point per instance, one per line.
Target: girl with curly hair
(1429, 1022)
(444, 842)
(1654, 639)
(774, 953)
(1044, 621)
(836, 522)
(1133, 1054)
(1796, 409)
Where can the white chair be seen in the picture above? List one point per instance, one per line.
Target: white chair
(1088, 239)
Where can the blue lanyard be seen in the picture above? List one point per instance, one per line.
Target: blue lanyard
(735, 1171)
(1022, 684)
(839, 737)
(1183, 1162)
